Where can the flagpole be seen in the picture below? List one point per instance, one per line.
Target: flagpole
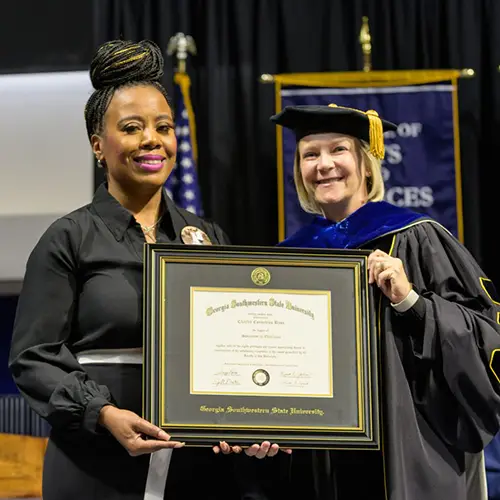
(182, 184)
(181, 45)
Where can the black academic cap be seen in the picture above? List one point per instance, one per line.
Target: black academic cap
(366, 125)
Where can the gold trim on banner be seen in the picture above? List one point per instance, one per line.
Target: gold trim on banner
(367, 78)
(281, 171)
(353, 79)
(458, 164)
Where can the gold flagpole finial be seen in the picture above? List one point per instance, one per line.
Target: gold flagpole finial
(366, 46)
(180, 45)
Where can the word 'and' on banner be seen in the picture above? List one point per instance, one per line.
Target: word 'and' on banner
(421, 168)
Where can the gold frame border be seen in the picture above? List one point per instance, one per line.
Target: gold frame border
(289, 262)
(260, 291)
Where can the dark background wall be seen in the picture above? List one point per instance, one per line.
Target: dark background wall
(238, 40)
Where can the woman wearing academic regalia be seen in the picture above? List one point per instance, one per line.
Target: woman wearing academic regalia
(439, 317)
(76, 348)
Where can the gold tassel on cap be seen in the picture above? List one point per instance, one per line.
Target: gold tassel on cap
(376, 129)
(377, 148)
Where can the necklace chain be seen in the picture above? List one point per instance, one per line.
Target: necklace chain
(148, 229)
(150, 237)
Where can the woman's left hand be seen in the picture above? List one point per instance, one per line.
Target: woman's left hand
(266, 449)
(389, 275)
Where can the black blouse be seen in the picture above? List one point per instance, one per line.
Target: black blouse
(83, 290)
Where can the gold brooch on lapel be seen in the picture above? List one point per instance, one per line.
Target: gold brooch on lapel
(191, 235)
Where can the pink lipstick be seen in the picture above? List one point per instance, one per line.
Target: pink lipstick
(150, 163)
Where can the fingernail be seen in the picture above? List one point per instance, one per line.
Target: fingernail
(179, 445)
(163, 435)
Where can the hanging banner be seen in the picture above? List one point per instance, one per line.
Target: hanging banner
(421, 169)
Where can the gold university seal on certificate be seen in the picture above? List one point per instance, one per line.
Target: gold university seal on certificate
(261, 276)
(193, 236)
(260, 377)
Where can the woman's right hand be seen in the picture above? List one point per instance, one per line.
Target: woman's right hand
(136, 435)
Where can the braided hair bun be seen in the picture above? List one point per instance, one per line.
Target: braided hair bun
(116, 64)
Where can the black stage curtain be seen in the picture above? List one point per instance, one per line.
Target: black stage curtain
(239, 40)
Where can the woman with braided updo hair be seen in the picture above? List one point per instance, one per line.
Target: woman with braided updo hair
(76, 348)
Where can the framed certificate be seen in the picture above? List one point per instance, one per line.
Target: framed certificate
(262, 343)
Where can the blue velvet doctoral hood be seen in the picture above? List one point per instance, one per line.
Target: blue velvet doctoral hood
(371, 221)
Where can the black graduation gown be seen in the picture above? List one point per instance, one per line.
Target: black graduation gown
(82, 291)
(440, 373)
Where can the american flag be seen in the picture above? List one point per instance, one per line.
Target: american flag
(182, 184)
